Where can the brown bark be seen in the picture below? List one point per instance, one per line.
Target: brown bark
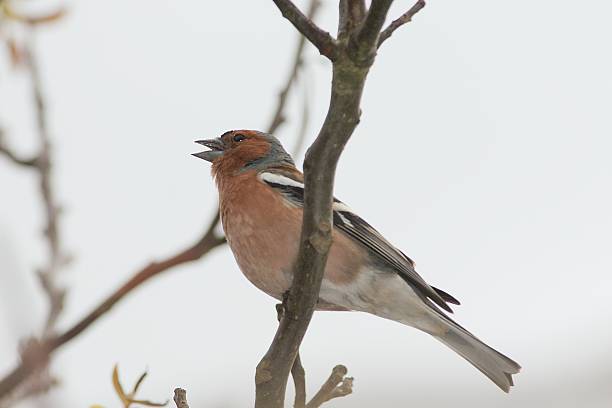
(351, 58)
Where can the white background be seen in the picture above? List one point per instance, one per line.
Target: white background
(483, 152)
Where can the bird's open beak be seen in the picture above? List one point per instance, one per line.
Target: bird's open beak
(216, 149)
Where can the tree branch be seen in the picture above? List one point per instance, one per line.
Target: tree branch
(297, 370)
(351, 14)
(278, 118)
(34, 353)
(318, 37)
(361, 44)
(180, 398)
(336, 386)
(403, 19)
(29, 365)
(350, 69)
(299, 382)
(7, 152)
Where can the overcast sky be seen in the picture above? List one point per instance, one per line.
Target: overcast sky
(484, 153)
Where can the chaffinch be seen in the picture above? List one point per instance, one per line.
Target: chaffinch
(261, 196)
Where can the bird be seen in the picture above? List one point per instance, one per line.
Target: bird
(261, 200)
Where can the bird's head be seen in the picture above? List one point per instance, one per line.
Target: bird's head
(236, 151)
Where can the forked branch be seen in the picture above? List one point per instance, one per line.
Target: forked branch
(351, 63)
(403, 19)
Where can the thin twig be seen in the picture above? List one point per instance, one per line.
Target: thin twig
(57, 259)
(298, 144)
(403, 19)
(180, 398)
(35, 353)
(28, 365)
(318, 37)
(297, 370)
(299, 382)
(7, 152)
(336, 386)
(278, 117)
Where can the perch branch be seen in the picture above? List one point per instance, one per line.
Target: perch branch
(318, 37)
(403, 19)
(350, 69)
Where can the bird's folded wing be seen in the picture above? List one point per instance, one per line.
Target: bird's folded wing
(289, 183)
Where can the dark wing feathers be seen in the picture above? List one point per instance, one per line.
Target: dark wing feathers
(447, 297)
(362, 232)
(358, 229)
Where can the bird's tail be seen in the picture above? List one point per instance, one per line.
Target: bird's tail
(490, 362)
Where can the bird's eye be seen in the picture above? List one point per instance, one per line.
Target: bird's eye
(239, 137)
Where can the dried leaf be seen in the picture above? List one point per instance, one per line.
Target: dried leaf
(50, 17)
(119, 388)
(129, 399)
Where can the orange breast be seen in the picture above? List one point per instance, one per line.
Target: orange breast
(263, 232)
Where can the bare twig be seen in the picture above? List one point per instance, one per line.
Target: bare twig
(7, 152)
(28, 366)
(336, 386)
(35, 356)
(180, 398)
(318, 37)
(297, 370)
(403, 19)
(350, 69)
(298, 144)
(278, 117)
(208, 241)
(299, 382)
(43, 164)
